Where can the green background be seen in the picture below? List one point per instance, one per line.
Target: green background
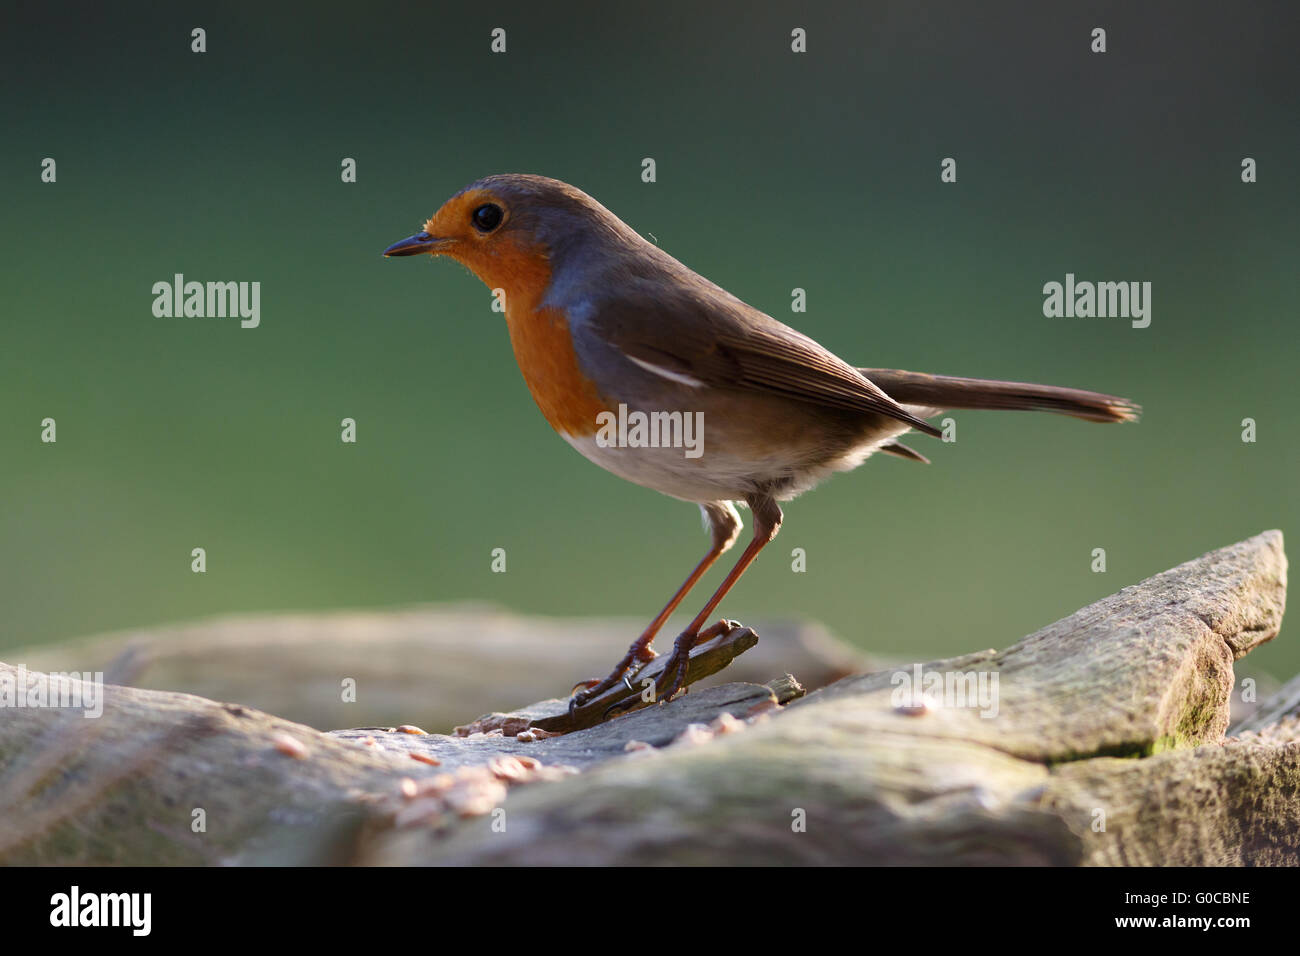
(775, 170)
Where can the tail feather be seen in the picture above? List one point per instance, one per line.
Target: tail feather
(902, 451)
(944, 391)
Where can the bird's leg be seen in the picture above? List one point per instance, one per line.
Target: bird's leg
(724, 527)
(641, 651)
(767, 522)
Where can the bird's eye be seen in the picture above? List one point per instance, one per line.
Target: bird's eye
(487, 217)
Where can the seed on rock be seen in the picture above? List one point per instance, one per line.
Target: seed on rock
(290, 746)
(533, 734)
(507, 767)
(918, 708)
(724, 723)
(694, 734)
(472, 800)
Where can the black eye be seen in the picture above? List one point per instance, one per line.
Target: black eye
(487, 217)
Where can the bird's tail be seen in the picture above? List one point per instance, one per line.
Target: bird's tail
(944, 391)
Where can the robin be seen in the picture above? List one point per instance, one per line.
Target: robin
(608, 328)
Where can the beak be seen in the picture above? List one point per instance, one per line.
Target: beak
(416, 245)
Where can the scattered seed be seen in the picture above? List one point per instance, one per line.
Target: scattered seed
(411, 729)
(724, 723)
(426, 758)
(507, 767)
(290, 746)
(533, 734)
(694, 734)
(476, 800)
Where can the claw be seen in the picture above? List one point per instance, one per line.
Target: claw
(724, 626)
(673, 677)
(613, 710)
(578, 697)
(679, 679)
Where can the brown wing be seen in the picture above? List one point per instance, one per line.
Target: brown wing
(704, 332)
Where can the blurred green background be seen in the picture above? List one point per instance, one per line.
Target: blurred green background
(775, 170)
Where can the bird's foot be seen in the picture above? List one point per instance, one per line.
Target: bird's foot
(585, 691)
(673, 678)
(640, 654)
(677, 668)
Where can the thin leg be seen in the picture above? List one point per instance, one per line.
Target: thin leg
(767, 522)
(724, 526)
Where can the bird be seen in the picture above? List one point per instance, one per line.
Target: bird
(605, 324)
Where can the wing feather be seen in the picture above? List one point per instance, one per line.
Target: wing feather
(709, 335)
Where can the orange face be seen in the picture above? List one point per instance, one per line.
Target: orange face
(474, 229)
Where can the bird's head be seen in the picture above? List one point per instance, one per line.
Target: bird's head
(513, 230)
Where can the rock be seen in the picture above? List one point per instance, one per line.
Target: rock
(1102, 741)
(425, 665)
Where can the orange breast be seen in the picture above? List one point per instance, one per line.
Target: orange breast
(544, 351)
(543, 347)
